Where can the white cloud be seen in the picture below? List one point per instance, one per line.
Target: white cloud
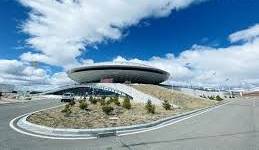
(11, 66)
(60, 78)
(17, 72)
(245, 35)
(199, 64)
(208, 65)
(60, 29)
(86, 61)
(22, 74)
(169, 63)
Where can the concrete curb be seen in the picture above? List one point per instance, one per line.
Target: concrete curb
(20, 124)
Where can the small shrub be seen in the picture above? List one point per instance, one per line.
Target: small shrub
(107, 109)
(102, 101)
(72, 103)
(149, 107)
(83, 105)
(92, 100)
(116, 101)
(82, 101)
(104, 97)
(109, 101)
(166, 105)
(203, 96)
(126, 103)
(218, 98)
(211, 97)
(67, 110)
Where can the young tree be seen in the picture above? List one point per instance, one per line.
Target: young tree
(83, 105)
(218, 98)
(126, 103)
(92, 100)
(67, 110)
(150, 107)
(166, 105)
(107, 109)
(116, 101)
(72, 103)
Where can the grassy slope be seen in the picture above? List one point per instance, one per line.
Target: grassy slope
(95, 118)
(174, 97)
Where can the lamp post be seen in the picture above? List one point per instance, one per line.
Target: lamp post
(217, 86)
(246, 84)
(188, 66)
(230, 92)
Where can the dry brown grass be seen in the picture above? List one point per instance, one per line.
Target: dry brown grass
(95, 118)
(174, 97)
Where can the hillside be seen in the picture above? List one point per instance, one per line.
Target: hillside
(172, 96)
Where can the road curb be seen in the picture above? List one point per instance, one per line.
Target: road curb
(21, 125)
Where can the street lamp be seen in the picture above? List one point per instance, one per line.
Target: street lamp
(188, 66)
(230, 92)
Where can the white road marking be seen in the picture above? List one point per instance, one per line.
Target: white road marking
(11, 124)
(174, 122)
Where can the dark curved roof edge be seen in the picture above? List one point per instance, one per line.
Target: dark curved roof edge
(118, 67)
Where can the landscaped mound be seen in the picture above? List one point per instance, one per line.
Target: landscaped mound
(107, 112)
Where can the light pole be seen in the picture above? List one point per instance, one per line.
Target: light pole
(230, 93)
(246, 84)
(217, 86)
(187, 65)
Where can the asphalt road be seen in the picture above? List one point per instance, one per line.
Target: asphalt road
(233, 126)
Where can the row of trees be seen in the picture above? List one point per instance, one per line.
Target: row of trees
(217, 98)
(107, 107)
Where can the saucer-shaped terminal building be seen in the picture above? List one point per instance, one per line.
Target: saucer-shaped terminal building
(118, 73)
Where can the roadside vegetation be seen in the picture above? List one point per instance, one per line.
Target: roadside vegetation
(126, 103)
(67, 110)
(83, 104)
(175, 98)
(166, 105)
(216, 98)
(111, 111)
(150, 107)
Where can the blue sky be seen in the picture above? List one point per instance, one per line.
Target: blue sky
(206, 24)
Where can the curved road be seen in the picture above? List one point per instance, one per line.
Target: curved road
(232, 126)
